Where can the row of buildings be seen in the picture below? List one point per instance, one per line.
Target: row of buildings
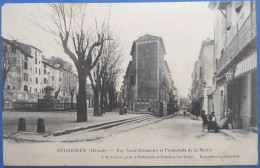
(31, 73)
(225, 75)
(148, 84)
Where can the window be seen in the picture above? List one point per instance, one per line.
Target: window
(44, 71)
(25, 58)
(35, 70)
(8, 87)
(36, 80)
(25, 76)
(30, 89)
(25, 65)
(25, 88)
(52, 77)
(35, 60)
(147, 102)
(13, 49)
(36, 90)
(238, 6)
(45, 81)
(138, 102)
(39, 71)
(35, 53)
(229, 16)
(13, 87)
(222, 52)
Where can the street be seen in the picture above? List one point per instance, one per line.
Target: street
(170, 134)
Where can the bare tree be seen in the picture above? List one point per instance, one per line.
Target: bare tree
(104, 76)
(72, 90)
(69, 21)
(8, 61)
(112, 72)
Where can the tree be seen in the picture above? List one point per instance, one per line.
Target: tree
(103, 78)
(69, 21)
(112, 72)
(8, 61)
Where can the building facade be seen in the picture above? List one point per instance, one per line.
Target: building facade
(235, 63)
(148, 81)
(32, 73)
(202, 77)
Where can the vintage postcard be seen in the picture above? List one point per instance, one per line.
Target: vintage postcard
(129, 84)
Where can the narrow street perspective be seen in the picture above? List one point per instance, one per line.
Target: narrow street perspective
(129, 84)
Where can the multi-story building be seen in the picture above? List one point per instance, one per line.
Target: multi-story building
(148, 82)
(32, 73)
(235, 62)
(202, 75)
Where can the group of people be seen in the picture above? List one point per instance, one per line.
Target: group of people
(210, 121)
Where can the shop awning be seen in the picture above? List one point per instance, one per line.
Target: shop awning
(246, 65)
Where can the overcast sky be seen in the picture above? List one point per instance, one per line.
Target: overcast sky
(182, 25)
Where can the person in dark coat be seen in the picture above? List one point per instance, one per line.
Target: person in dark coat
(212, 122)
(204, 117)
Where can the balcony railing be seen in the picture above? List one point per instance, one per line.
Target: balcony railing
(244, 36)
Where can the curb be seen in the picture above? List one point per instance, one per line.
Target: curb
(227, 134)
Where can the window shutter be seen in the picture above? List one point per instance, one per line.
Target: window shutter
(229, 16)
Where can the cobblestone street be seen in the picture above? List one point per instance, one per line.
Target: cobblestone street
(143, 132)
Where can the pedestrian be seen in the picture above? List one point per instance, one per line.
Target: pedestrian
(121, 110)
(125, 110)
(184, 112)
(197, 113)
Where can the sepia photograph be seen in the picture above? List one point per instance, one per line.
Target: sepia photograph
(129, 84)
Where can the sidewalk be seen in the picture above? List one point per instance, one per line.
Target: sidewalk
(55, 121)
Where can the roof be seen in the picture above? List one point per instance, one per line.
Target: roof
(153, 37)
(27, 47)
(18, 47)
(46, 61)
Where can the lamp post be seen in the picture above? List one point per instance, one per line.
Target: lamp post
(229, 76)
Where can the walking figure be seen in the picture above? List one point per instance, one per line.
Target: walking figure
(125, 110)
(184, 112)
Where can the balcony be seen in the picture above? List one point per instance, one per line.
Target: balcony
(245, 35)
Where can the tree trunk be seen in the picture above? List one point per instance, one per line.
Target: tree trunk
(71, 101)
(102, 97)
(81, 99)
(3, 85)
(110, 100)
(96, 103)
